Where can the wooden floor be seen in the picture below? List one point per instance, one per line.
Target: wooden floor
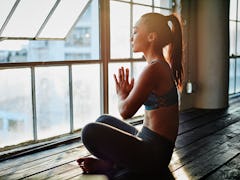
(207, 147)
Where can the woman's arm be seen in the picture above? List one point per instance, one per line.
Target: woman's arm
(131, 96)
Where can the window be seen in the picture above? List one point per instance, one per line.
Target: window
(123, 16)
(41, 100)
(234, 62)
(80, 39)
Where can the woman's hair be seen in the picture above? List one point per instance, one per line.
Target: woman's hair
(167, 34)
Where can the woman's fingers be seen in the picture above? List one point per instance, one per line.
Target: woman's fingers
(115, 78)
(123, 76)
(127, 75)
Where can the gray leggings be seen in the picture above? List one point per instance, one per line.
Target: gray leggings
(116, 141)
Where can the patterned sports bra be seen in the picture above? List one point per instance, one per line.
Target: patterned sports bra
(155, 101)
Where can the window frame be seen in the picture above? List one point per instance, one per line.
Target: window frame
(235, 56)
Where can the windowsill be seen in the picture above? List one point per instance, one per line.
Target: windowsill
(32, 147)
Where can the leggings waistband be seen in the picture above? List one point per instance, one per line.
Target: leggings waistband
(150, 136)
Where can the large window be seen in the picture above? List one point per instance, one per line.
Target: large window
(45, 90)
(234, 62)
(80, 43)
(123, 16)
(52, 69)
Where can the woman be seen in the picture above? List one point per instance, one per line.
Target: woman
(120, 149)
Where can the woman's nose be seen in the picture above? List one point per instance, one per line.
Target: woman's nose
(131, 38)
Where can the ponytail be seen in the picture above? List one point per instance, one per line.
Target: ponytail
(175, 50)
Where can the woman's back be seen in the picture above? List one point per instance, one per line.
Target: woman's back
(161, 109)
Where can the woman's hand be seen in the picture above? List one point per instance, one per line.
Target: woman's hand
(123, 86)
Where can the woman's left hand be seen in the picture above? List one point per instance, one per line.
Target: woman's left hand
(123, 86)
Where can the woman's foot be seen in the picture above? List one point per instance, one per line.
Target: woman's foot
(91, 165)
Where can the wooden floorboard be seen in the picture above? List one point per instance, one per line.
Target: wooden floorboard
(207, 147)
(230, 170)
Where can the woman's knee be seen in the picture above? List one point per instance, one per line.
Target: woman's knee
(104, 118)
(89, 133)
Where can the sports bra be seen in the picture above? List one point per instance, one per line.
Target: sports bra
(154, 101)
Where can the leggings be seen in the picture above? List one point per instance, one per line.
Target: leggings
(116, 141)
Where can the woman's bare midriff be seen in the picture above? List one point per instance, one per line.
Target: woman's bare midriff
(164, 121)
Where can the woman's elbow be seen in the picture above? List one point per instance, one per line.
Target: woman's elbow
(126, 113)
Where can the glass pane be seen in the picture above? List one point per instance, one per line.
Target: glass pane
(16, 124)
(5, 9)
(231, 76)
(120, 29)
(86, 94)
(233, 10)
(52, 98)
(148, 2)
(138, 11)
(82, 43)
(113, 101)
(163, 11)
(62, 21)
(163, 3)
(232, 37)
(238, 76)
(238, 38)
(28, 18)
(137, 69)
(238, 10)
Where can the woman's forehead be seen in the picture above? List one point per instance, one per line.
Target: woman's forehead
(138, 24)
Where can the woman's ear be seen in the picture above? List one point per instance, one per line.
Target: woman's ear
(152, 36)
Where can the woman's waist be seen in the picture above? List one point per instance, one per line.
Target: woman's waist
(163, 126)
(153, 137)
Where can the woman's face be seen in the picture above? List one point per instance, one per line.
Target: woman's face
(139, 38)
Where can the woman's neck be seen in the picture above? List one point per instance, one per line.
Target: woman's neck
(152, 56)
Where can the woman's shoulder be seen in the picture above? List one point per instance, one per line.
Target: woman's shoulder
(157, 67)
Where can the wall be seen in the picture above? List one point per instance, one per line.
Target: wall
(207, 53)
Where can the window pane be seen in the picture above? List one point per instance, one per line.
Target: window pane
(86, 94)
(162, 11)
(238, 38)
(120, 29)
(62, 21)
(137, 69)
(138, 11)
(81, 43)
(232, 76)
(232, 37)
(233, 9)
(163, 3)
(238, 10)
(113, 102)
(28, 18)
(148, 2)
(238, 76)
(52, 98)
(15, 106)
(5, 9)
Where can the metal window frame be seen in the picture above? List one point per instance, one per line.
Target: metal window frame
(235, 56)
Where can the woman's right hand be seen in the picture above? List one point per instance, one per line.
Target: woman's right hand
(123, 86)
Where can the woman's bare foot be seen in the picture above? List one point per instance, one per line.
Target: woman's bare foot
(92, 165)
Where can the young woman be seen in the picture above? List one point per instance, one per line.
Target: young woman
(121, 150)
